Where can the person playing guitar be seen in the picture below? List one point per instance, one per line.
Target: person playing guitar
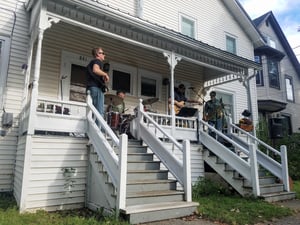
(213, 112)
(180, 99)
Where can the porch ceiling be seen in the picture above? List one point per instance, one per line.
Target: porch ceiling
(110, 22)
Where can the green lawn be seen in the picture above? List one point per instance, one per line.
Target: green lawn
(215, 204)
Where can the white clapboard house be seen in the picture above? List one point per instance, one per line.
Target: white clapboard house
(54, 156)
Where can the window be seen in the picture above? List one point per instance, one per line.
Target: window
(230, 44)
(4, 53)
(188, 26)
(122, 77)
(149, 84)
(273, 73)
(270, 42)
(259, 74)
(227, 100)
(286, 125)
(73, 76)
(289, 88)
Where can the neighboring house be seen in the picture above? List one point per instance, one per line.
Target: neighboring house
(54, 156)
(278, 84)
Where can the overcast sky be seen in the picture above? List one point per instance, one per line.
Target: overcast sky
(287, 14)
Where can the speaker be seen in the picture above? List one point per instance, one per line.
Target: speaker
(275, 125)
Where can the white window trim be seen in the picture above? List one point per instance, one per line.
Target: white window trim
(67, 59)
(152, 75)
(182, 15)
(4, 59)
(236, 42)
(287, 77)
(126, 69)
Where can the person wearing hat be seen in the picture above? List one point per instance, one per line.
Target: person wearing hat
(245, 123)
(180, 99)
(213, 112)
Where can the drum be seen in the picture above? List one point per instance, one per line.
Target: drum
(113, 119)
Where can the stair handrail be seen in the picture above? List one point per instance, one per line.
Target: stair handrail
(180, 170)
(115, 166)
(278, 169)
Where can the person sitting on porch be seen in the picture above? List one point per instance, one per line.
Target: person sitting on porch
(179, 102)
(120, 108)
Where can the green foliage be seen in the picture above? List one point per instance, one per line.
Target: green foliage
(9, 215)
(206, 187)
(297, 188)
(292, 143)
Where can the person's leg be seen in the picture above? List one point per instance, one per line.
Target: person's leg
(98, 99)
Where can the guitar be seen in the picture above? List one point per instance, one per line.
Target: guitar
(177, 106)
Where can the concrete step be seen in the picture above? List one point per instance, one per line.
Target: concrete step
(150, 185)
(279, 196)
(147, 197)
(143, 213)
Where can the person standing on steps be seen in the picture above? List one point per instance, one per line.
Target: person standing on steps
(97, 79)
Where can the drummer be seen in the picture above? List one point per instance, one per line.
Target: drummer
(118, 108)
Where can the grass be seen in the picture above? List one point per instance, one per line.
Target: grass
(9, 215)
(216, 204)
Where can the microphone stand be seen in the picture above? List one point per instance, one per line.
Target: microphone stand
(193, 89)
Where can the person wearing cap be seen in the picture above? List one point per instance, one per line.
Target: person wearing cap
(180, 99)
(213, 112)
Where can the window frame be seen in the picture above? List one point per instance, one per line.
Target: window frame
(126, 69)
(290, 78)
(149, 74)
(229, 37)
(4, 61)
(67, 60)
(192, 20)
(259, 75)
(269, 61)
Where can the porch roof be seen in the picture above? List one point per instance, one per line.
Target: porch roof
(108, 21)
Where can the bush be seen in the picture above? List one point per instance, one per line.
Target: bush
(205, 187)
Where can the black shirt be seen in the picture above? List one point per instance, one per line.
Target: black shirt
(93, 80)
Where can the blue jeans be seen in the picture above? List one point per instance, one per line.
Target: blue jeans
(216, 124)
(98, 99)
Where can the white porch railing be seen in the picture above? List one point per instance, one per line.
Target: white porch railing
(116, 166)
(268, 157)
(179, 168)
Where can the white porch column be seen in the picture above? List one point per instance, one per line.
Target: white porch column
(172, 60)
(35, 82)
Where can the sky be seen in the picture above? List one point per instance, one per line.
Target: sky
(287, 14)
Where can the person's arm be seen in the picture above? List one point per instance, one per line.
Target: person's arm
(97, 70)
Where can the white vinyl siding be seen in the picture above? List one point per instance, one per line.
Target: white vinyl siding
(14, 32)
(47, 185)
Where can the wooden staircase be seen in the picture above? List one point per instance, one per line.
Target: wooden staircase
(271, 190)
(150, 194)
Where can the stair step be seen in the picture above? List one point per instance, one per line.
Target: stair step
(143, 213)
(147, 197)
(143, 165)
(279, 196)
(147, 174)
(150, 185)
(140, 156)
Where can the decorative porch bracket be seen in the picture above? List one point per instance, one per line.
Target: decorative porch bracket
(173, 59)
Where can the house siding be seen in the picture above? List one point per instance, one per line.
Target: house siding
(285, 68)
(48, 184)
(16, 30)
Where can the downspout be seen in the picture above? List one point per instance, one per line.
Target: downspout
(172, 60)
